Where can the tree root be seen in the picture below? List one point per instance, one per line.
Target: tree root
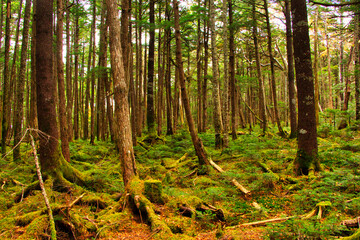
(144, 208)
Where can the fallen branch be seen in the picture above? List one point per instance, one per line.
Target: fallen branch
(351, 223)
(43, 191)
(234, 181)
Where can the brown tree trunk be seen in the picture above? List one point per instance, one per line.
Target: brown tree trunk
(204, 84)
(262, 105)
(19, 109)
(225, 97)
(290, 74)
(6, 80)
(331, 104)
(46, 86)
(272, 68)
(232, 71)
(306, 159)
(102, 77)
(169, 122)
(218, 126)
(122, 111)
(357, 67)
(1, 20)
(150, 113)
(316, 67)
(199, 148)
(33, 108)
(139, 71)
(61, 85)
(69, 94)
(76, 74)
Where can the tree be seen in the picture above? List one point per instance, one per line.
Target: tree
(232, 70)
(6, 80)
(122, 112)
(150, 115)
(258, 70)
(20, 85)
(52, 162)
(272, 69)
(218, 125)
(198, 145)
(306, 160)
(61, 85)
(290, 73)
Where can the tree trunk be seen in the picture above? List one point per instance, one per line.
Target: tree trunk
(218, 126)
(232, 71)
(69, 95)
(122, 111)
(204, 86)
(199, 74)
(272, 69)
(199, 148)
(161, 64)
(316, 67)
(306, 160)
(290, 74)
(6, 80)
(150, 113)
(19, 109)
(169, 126)
(331, 104)
(61, 85)
(33, 108)
(258, 70)
(225, 109)
(357, 67)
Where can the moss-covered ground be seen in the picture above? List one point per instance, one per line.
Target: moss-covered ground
(103, 212)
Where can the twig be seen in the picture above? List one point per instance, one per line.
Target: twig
(76, 200)
(43, 191)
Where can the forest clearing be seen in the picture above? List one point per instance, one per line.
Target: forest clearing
(190, 119)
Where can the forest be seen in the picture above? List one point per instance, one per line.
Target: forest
(180, 119)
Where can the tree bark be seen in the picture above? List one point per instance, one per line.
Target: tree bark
(6, 80)
(290, 73)
(225, 108)
(306, 160)
(258, 70)
(61, 85)
(150, 113)
(19, 109)
(272, 69)
(69, 94)
(169, 122)
(122, 111)
(218, 126)
(232, 71)
(199, 148)
(357, 67)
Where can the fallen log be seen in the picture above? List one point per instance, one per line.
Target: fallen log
(234, 181)
(351, 223)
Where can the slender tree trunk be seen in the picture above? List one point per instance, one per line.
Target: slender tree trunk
(316, 66)
(69, 95)
(60, 79)
(357, 67)
(6, 80)
(19, 109)
(139, 74)
(102, 78)
(150, 113)
(1, 20)
(161, 64)
(232, 71)
(215, 79)
(204, 85)
(258, 70)
(122, 111)
(225, 109)
(76, 73)
(306, 160)
(290, 74)
(33, 108)
(169, 126)
(331, 104)
(199, 148)
(199, 74)
(272, 69)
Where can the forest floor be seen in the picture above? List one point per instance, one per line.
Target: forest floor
(263, 164)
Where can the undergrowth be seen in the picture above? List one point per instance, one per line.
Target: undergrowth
(173, 162)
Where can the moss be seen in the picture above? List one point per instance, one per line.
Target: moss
(36, 228)
(25, 219)
(153, 191)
